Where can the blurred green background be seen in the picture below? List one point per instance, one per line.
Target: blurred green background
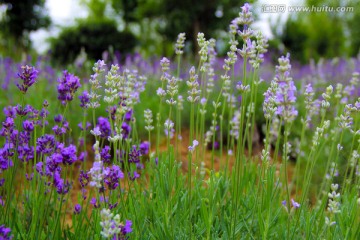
(150, 27)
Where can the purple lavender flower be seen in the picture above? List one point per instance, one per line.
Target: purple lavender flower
(5, 161)
(192, 148)
(245, 8)
(13, 136)
(68, 85)
(58, 118)
(28, 75)
(127, 228)
(61, 130)
(22, 111)
(9, 111)
(144, 148)
(39, 168)
(87, 127)
(128, 116)
(53, 164)
(46, 144)
(69, 155)
(8, 123)
(285, 94)
(44, 113)
(96, 131)
(77, 209)
(84, 99)
(112, 206)
(134, 155)
(2, 181)
(82, 156)
(105, 154)
(104, 126)
(62, 187)
(28, 126)
(133, 176)
(83, 179)
(124, 230)
(295, 204)
(29, 177)
(25, 153)
(5, 233)
(112, 110)
(112, 176)
(32, 112)
(23, 138)
(126, 129)
(94, 203)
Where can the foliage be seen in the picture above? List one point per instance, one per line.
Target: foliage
(315, 34)
(22, 17)
(352, 21)
(94, 37)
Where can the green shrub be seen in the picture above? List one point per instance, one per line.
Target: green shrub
(94, 37)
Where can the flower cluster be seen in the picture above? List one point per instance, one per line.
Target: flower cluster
(172, 90)
(84, 99)
(57, 155)
(203, 52)
(319, 133)
(112, 176)
(294, 204)
(193, 85)
(285, 94)
(148, 120)
(210, 66)
(112, 227)
(180, 44)
(269, 104)
(28, 75)
(97, 172)
(99, 67)
(62, 125)
(169, 128)
(5, 233)
(67, 86)
(325, 103)
(112, 84)
(192, 148)
(333, 205)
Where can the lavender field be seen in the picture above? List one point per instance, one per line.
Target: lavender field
(234, 147)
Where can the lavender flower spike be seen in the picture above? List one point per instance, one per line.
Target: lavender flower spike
(285, 94)
(5, 233)
(97, 171)
(192, 148)
(67, 87)
(28, 76)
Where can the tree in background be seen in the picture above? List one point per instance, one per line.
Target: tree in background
(315, 34)
(20, 18)
(353, 27)
(191, 17)
(171, 17)
(97, 33)
(92, 36)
